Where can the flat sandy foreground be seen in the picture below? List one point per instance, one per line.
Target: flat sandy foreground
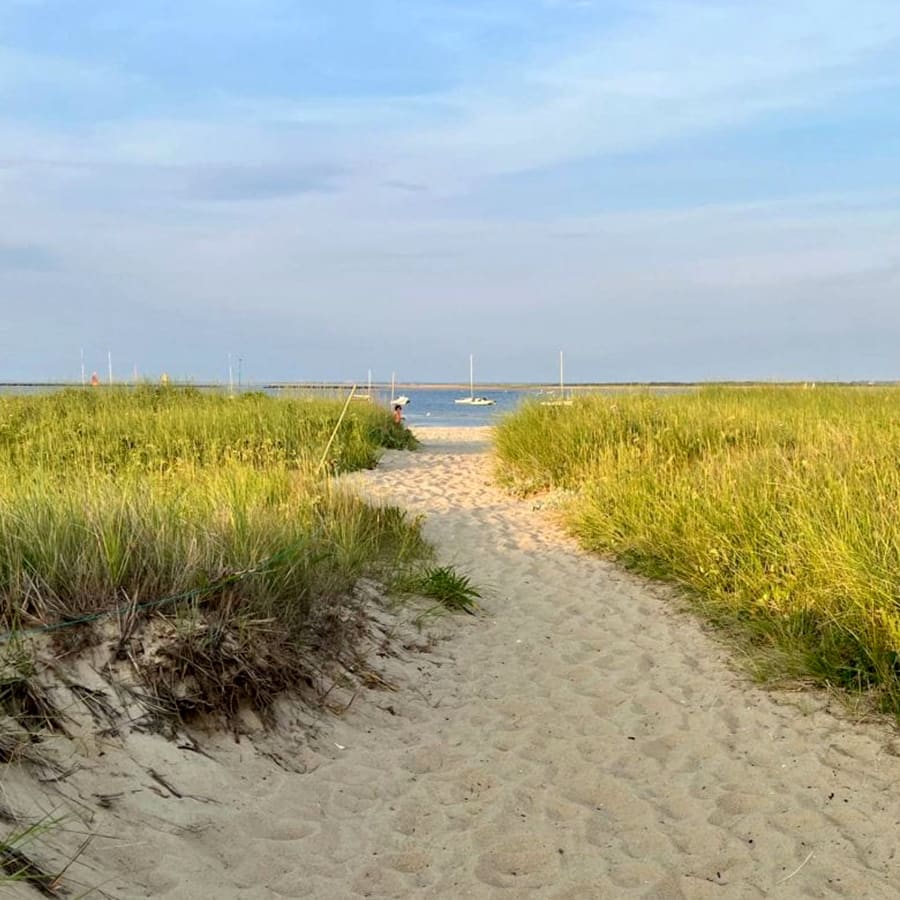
(581, 739)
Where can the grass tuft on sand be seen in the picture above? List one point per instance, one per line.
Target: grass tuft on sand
(453, 590)
(17, 864)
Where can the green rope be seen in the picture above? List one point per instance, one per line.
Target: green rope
(233, 578)
(224, 581)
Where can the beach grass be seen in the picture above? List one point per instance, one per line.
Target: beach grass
(216, 515)
(775, 506)
(454, 591)
(17, 865)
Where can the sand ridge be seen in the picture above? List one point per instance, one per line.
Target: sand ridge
(578, 740)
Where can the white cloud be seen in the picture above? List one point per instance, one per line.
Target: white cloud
(115, 203)
(686, 69)
(670, 70)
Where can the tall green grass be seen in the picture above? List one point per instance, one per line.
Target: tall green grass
(116, 499)
(155, 429)
(776, 506)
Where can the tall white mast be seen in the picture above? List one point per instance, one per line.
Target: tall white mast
(471, 376)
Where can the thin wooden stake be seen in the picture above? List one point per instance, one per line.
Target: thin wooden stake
(336, 427)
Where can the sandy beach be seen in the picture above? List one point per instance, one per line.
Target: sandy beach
(582, 738)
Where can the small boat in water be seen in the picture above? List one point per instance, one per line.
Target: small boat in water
(476, 401)
(472, 400)
(402, 400)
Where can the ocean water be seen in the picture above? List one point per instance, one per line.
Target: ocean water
(436, 406)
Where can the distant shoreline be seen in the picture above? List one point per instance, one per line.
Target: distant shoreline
(455, 385)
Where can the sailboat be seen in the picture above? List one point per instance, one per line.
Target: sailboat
(472, 400)
(402, 400)
(561, 400)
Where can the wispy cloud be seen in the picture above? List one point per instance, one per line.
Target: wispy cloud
(665, 71)
(258, 182)
(409, 187)
(27, 258)
(570, 170)
(679, 69)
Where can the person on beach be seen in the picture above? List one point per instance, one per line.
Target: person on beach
(398, 414)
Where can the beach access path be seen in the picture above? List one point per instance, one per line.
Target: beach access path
(579, 739)
(584, 739)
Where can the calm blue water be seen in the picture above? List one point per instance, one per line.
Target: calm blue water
(436, 407)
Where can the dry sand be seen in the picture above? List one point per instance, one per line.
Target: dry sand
(579, 740)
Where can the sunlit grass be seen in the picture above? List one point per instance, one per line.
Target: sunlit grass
(453, 590)
(113, 499)
(775, 506)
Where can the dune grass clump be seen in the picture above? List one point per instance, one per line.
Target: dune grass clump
(776, 506)
(216, 516)
(453, 590)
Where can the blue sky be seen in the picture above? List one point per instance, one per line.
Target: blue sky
(689, 189)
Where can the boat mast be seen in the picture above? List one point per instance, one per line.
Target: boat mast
(471, 377)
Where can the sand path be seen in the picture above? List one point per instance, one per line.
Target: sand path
(579, 740)
(586, 741)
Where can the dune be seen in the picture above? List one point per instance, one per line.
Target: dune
(580, 738)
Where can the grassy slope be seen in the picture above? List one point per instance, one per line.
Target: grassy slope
(114, 499)
(775, 506)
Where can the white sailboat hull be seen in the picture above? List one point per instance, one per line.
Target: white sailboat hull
(475, 401)
(472, 400)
